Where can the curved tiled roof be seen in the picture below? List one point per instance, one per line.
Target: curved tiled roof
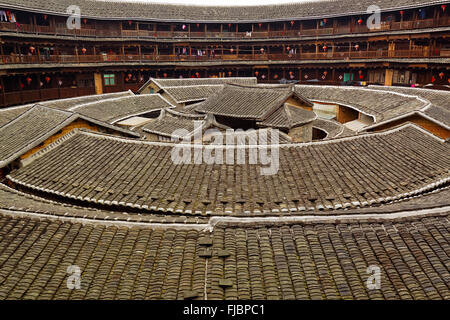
(249, 102)
(288, 117)
(187, 82)
(381, 104)
(183, 94)
(439, 109)
(169, 122)
(110, 10)
(36, 125)
(9, 114)
(280, 261)
(116, 109)
(333, 129)
(373, 168)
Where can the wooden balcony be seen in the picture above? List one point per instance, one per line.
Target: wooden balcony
(30, 96)
(340, 29)
(330, 55)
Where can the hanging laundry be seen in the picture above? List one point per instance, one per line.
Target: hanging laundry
(423, 14)
(3, 16)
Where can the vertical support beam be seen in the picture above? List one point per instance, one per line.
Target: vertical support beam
(388, 77)
(98, 83)
(410, 47)
(76, 54)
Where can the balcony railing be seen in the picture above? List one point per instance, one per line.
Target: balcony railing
(61, 29)
(118, 58)
(29, 96)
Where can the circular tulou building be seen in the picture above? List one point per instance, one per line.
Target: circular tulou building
(152, 151)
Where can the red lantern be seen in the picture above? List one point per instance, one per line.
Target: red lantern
(21, 85)
(126, 79)
(441, 75)
(45, 17)
(325, 73)
(231, 50)
(230, 73)
(288, 48)
(275, 76)
(229, 25)
(356, 47)
(130, 22)
(402, 12)
(443, 7)
(29, 80)
(325, 48)
(360, 72)
(32, 49)
(256, 73)
(260, 25)
(47, 79)
(84, 20)
(360, 21)
(165, 75)
(433, 79)
(306, 76)
(83, 50)
(292, 22)
(129, 76)
(198, 25)
(262, 50)
(325, 20)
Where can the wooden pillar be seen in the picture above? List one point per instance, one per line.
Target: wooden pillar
(388, 77)
(410, 47)
(38, 54)
(98, 83)
(76, 53)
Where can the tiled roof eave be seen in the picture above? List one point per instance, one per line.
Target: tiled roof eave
(287, 17)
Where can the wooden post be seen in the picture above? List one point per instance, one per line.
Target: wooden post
(98, 83)
(410, 47)
(388, 77)
(76, 54)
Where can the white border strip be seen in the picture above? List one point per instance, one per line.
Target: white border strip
(241, 222)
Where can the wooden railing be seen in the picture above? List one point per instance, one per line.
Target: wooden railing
(344, 29)
(29, 96)
(113, 58)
